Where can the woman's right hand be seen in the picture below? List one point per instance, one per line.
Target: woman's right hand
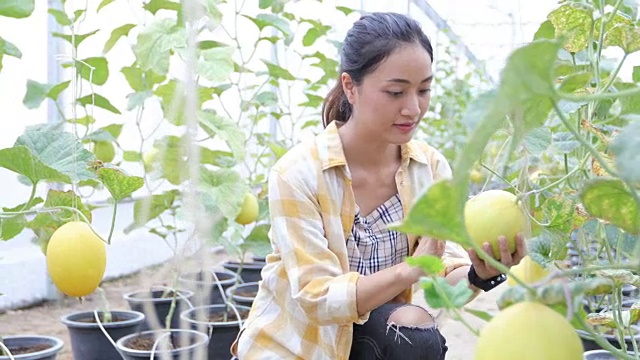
(427, 246)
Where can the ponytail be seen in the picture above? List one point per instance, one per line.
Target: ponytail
(336, 106)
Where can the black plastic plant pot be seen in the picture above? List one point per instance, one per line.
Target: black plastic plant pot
(259, 258)
(160, 301)
(589, 344)
(221, 322)
(601, 355)
(162, 344)
(248, 271)
(204, 285)
(243, 294)
(87, 339)
(32, 347)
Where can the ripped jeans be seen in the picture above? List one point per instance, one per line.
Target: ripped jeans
(378, 339)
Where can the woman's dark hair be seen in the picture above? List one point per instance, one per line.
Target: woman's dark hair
(371, 40)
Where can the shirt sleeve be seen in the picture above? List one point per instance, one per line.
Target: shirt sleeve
(319, 285)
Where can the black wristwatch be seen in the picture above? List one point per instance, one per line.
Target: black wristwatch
(487, 284)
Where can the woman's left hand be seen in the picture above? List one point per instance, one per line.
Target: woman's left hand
(485, 270)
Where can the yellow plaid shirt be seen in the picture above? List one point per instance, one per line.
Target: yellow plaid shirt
(306, 305)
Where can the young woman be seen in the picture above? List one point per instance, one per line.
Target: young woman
(336, 285)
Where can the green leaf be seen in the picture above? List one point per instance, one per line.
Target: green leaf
(172, 158)
(430, 265)
(7, 48)
(610, 200)
(258, 240)
(440, 295)
(538, 140)
(572, 21)
(265, 20)
(625, 37)
(545, 31)
(575, 82)
(19, 159)
(547, 247)
(222, 192)
(210, 44)
(45, 223)
(104, 3)
(60, 16)
(108, 133)
(345, 10)
(150, 207)
(132, 156)
(227, 130)
(58, 150)
(119, 184)
(482, 315)
(565, 142)
(36, 94)
(99, 101)
(137, 99)
(436, 214)
(154, 6)
(173, 99)
(116, 34)
(94, 69)
(17, 9)
(636, 74)
(265, 4)
(277, 71)
(11, 227)
(141, 80)
(155, 44)
(313, 34)
(223, 159)
(76, 40)
(85, 120)
(625, 147)
(55, 91)
(216, 64)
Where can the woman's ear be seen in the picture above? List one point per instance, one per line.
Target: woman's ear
(349, 87)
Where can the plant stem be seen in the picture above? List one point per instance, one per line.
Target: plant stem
(113, 221)
(598, 96)
(31, 197)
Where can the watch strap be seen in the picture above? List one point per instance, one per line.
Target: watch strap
(486, 284)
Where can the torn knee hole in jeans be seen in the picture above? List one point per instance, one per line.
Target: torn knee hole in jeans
(409, 317)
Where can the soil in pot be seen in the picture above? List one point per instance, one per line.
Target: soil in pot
(87, 339)
(161, 302)
(243, 294)
(32, 347)
(221, 322)
(179, 344)
(589, 344)
(248, 271)
(205, 286)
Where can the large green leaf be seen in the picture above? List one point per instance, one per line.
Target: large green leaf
(60, 16)
(216, 64)
(116, 34)
(139, 80)
(573, 22)
(10, 227)
(155, 43)
(278, 72)
(58, 150)
(625, 146)
(227, 130)
(36, 94)
(98, 101)
(436, 213)
(430, 265)
(17, 9)
(172, 158)
(538, 140)
(21, 160)
(153, 6)
(611, 200)
(104, 3)
(119, 184)
(222, 192)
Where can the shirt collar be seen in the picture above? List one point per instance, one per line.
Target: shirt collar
(332, 154)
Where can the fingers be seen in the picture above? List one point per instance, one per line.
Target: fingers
(521, 249)
(429, 246)
(505, 254)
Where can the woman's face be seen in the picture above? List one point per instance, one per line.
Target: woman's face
(390, 102)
